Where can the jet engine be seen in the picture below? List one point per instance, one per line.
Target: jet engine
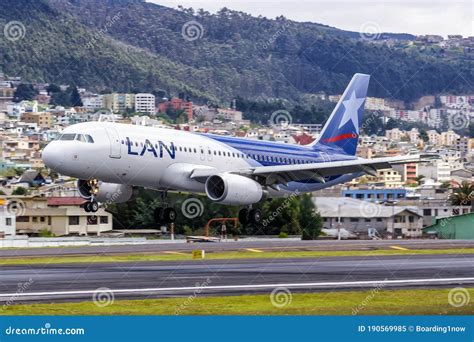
(104, 192)
(233, 189)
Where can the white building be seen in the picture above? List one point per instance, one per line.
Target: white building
(93, 103)
(357, 216)
(7, 222)
(145, 103)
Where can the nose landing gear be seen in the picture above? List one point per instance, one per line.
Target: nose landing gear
(92, 206)
(253, 216)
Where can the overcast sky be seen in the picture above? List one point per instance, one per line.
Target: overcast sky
(415, 16)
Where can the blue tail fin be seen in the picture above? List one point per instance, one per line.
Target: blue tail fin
(342, 128)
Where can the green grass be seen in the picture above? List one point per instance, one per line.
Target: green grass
(222, 255)
(384, 302)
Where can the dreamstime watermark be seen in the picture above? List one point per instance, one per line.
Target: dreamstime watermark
(368, 209)
(277, 34)
(458, 297)
(368, 298)
(47, 329)
(370, 30)
(274, 214)
(104, 30)
(192, 30)
(21, 288)
(281, 297)
(16, 207)
(14, 31)
(459, 120)
(280, 118)
(197, 291)
(103, 296)
(192, 208)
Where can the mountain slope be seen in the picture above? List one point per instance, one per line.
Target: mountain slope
(130, 44)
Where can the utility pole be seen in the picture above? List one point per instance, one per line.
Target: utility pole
(339, 222)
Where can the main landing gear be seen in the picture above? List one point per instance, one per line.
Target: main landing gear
(163, 215)
(92, 206)
(248, 215)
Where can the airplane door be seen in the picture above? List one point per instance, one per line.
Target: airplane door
(202, 153)
(114, 139)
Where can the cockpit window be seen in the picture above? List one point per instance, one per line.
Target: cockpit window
(80, 137)
(67, 137)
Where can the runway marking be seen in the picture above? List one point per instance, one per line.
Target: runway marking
(399, 248)
(253, 250)
(173, 252)
(252, 286)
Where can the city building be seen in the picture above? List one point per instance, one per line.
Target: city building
(177, 104)
(145, 103)
(357, 216)
(59, 215)
(41, 119)
(375, 194)
(93, 103)
(452, 227)
(229, 114)
(394, 134)
(7, 220)
(119, 103)
(6, 96)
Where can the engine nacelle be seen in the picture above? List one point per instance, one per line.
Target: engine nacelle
(233, 189)
(104, 192)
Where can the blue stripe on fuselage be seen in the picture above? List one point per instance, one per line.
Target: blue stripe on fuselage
(317, 154)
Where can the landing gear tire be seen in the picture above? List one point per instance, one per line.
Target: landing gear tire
(255, 216)
(243, 216)
(169, 215)
(91, 207)
(164, 215)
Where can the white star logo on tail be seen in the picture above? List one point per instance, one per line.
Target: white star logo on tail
(351, 107)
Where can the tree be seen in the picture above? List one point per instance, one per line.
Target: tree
(423, 135)
(463, 194)
(60, 99)
(74, 97)
(20, 191)
(53, 88)
(419, 178)
(24, 91)
(310, 220)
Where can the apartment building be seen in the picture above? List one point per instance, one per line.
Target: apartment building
(145, 103)
(118, 103)
(177, 104)
(41, 119)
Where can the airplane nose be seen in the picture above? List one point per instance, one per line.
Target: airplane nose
(51, 156)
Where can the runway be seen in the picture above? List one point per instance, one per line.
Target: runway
(266, 245)
(72, 282)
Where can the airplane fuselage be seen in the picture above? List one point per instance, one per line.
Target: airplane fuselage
(162, 159)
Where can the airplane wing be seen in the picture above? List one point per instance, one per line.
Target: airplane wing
(282, 174)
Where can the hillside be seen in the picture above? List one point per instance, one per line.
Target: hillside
(130, 44)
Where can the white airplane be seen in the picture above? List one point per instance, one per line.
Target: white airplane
(110, 159)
